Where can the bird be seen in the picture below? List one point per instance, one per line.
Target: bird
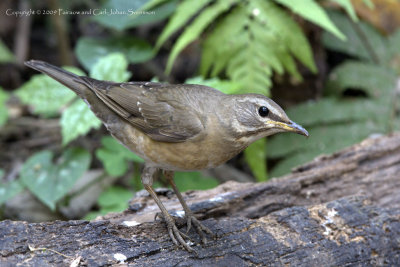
(176, 127)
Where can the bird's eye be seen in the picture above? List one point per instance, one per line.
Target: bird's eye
(263, 111)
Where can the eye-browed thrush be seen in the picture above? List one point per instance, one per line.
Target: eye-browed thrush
(176, 127)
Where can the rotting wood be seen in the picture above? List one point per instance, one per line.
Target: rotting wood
(337, 210)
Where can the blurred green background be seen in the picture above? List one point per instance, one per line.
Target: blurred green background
(332, 64)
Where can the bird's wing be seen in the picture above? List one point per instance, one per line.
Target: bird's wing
(159, 110)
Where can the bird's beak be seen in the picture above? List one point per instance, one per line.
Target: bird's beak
(291, 126)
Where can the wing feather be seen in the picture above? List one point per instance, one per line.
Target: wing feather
(161, 111)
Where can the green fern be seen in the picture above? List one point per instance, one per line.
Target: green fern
(256, 39)
(310, 10)
(193, 31)
(247, 39)
(357, 44)
(352, 121)
(335, 122)
(185, 11)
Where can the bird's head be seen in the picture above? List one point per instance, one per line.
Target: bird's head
(258, 116)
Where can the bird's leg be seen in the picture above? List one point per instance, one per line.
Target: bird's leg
(176, 235)
(190, 218)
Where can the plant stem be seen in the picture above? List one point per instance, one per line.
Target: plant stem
(365, 42)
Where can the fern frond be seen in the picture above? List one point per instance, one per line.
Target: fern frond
(185, 11)
(374, 79)
(364, 41)
(193, 31)
(254, 40)
(220, 47)
(353, 120)
(348, 7)
(289, 32)
(310, 10)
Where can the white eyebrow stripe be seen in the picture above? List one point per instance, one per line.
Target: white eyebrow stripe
(272, 109)
(260, 102)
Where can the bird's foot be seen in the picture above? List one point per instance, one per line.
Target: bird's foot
(190, 220)
(200, 228)
(177, 236)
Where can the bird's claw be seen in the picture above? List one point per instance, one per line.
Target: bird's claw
(200, 228)
(177, 236)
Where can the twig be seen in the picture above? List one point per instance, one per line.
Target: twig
(33, 249)
(36, 123)
(394, 106)
(75, 260)
(15, 169)
(23, 31)
(88, 185)
(64, 50)
(226, 173)
(157, 71)
(365, 42)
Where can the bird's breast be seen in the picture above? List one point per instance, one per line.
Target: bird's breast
(205, 151)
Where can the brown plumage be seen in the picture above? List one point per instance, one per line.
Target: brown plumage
(176, 127)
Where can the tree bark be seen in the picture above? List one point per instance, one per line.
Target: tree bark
(338, 210)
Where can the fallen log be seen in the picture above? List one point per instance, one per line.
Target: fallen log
(338, 210)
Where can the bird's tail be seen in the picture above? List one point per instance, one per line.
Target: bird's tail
(69, 79)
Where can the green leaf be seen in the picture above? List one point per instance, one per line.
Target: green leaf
(193, 31)
(115, 156)
(111, 68)
(194, 181)
(363, 41)
(334, 123)
(156, 14)
(115, 196)
(127, 13)
(256, 156)
(45, 95)
(6, 55)
(312, 11)
(320, 112)
(287, 164)
(113, 199)
(77, 120)
(323, 140)
(116, 14)
(225, 86)
(50, 181)
(374, 79)
(4, 96)
(153, 3)
(89, 50)
(9, 190)
(346, 4)
(369, 3)
(185, 10)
